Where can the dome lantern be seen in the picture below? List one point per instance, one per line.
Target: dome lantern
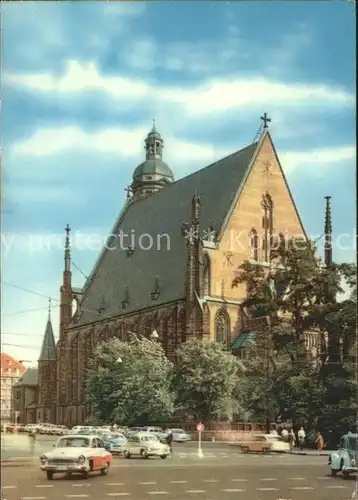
(153, 173)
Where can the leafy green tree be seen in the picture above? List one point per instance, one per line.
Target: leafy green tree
(206, 378)
(294, 287)
(130, 382)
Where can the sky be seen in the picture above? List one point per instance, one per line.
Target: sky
(81, 83)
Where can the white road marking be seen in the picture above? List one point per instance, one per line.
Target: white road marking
(210, 481)
(79, 485)
(267, 489)
(296, 478)
(114, 484)
(44, 486)
(82, 495)
(178, 482)
(324, 478)
(302, 488)
(336, 486)
(232, 490)
(9, 487)
(238, 480)
(118, 494)
(268, 479)
(148, 482)
(33, 498)
(195, 491)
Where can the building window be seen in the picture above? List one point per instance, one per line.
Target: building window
(222, 327)
(267, 224)
(254, 244)
(206, 275)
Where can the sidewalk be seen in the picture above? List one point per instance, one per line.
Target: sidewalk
(310, 452)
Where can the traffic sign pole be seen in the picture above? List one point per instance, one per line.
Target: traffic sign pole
(200, 428)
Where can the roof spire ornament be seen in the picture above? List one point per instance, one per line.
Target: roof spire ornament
(67, 249)
(328, 251)
(154, 144)
(265, 120)
(49, 308)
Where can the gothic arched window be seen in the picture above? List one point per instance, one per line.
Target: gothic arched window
(267, 224)
(254, 244)
(206, 275)
(222, 327)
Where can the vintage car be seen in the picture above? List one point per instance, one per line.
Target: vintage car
(345, 459)
(145, 445)
(180, 436)
(114, 442)
(264, 443)
(77, 454)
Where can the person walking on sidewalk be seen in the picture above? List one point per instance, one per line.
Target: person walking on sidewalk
(319, 442)
(292, 439)
(32, 442)
(170, 440)
(301, 438)
(284, 434)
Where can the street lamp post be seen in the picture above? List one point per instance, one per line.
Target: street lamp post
(268, 358)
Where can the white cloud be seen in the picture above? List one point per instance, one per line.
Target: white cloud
(292, 160)
(48, 142)
(210, 96)
(123, 142)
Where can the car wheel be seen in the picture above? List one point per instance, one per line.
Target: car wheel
(333, 472)
(163, 457)
(244, 449)
(105, 469)
(143, 454)
(85, 474)
(126, 454)
(49, 475)
(265, 450)
(345, 474)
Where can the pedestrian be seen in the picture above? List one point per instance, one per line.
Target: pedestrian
(32, 442)
(292, 439)
(301, 437)
(319, 442)
(170, 440)
(284, 434)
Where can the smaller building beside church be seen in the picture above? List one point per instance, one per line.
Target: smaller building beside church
(24, 394)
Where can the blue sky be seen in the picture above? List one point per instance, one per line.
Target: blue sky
(83, 80)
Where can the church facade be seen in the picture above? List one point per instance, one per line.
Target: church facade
(169, 264)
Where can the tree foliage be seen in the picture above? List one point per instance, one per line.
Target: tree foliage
(206, 379)
(299, 294)
(130, 382)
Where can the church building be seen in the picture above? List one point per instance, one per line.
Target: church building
(169, 264)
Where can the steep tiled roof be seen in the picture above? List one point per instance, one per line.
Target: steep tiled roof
(29, 378)
(119, 276)
(48, 349)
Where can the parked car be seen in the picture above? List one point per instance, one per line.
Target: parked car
(77, 454)
(115, 442)
(264, 443)
(345, 459)
(180, 436)
(145, 445)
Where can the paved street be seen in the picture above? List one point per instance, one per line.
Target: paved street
(252, 477)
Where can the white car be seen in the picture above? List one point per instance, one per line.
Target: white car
(180, 436)
(145, 445)
(77, 454)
